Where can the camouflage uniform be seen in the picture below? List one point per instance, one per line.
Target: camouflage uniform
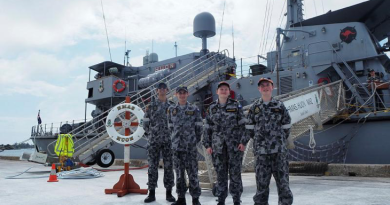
(159, 141)
(223, 132)
(269, 125)
(185, 125)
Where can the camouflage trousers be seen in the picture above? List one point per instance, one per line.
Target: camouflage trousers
(266, 166)
(154, 152)
(228, 162)
(186, 161)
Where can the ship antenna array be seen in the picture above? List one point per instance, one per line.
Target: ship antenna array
(175, 49)
(233, 40)
(105, 26)
(220, 32)
(127, 52)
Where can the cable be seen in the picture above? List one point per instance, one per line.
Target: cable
(269, 25)
(220, 32)
(105, 26)
(80, 173)
(14, 176)
(262, 32)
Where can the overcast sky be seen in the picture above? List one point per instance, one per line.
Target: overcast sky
(47, 46)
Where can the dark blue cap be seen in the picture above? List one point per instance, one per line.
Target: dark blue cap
(162, 85)
(181, 88)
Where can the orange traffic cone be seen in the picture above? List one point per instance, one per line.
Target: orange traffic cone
(53, 175)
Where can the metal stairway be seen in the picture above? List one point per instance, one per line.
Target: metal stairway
(359, 91)
(195, 76)
(330, 106)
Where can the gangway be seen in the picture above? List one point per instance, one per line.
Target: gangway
(332, 103)
(195, 76)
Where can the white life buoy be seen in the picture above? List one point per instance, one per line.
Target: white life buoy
(110, 123)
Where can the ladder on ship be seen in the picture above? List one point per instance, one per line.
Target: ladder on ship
(195, 76)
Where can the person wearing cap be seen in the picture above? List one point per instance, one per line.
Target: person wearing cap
(159, 142)
(223, 138)
(372, 76)
(185, 125)
(269, 123)
(371, 80)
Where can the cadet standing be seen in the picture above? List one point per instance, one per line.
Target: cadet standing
(185, 125)
(159, 141)
(269, 125)
(224, 138)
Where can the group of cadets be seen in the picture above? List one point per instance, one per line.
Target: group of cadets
(174, 130)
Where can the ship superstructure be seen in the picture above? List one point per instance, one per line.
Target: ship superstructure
(337, 47)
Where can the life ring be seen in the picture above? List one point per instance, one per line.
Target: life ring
(110, 123)
(325, 81)
(120, 89)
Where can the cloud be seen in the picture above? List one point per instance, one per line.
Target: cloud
(46, 47)
(41, 74)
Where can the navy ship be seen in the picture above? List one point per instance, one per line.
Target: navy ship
(340, 55)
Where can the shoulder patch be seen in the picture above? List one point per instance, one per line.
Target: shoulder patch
(257, 110)
(214, 110)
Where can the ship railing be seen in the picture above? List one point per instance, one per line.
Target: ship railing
(172, 80)
(349, 77)
(331, 101)
(54, 128)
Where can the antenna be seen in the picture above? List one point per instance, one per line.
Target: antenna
(220, 32)
(124, 57)
(152, 45)
(233, 40)
(175, 49)
(105, 26)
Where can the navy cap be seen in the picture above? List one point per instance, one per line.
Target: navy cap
(181, 88)
(265, 79)
(223, 83)
(162, 85)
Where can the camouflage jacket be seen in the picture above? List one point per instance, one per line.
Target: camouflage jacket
(156, 122)
(224, 125)
(269, 125)
(185, 125)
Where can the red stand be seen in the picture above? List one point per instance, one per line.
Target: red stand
(126, 183)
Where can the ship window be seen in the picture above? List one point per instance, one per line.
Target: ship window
(90, 92)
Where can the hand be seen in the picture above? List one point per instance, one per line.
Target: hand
(241, 147)
(290, 143)
(209, 150)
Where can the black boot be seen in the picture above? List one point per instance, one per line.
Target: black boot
(237, 203)
(151, 197)
(169, 196)
(180, 201)
(221, 203)
(195, 201)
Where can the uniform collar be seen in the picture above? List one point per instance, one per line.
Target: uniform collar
(185, 106)
(271, 102)
(219, 105)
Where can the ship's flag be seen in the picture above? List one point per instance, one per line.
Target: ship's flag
(39, 118)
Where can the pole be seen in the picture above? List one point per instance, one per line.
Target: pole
(175, 49)
(279, 58)
(241, 68)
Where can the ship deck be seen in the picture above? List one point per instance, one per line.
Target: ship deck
(307, 190)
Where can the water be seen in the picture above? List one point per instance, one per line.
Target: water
(16, 152)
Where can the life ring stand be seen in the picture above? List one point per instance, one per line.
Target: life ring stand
(124, 123)
(114, 86)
